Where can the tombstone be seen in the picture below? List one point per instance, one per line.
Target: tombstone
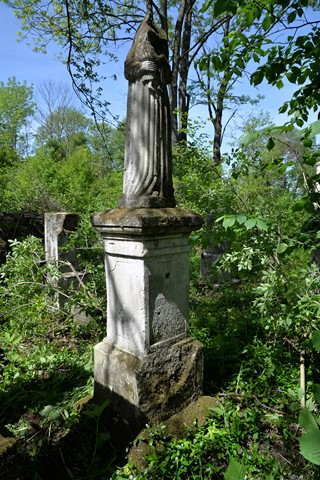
(211, 255)
(57, 230)
(147, 365)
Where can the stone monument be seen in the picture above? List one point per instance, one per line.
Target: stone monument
(148, 164)
(147, 365)
(58, 228)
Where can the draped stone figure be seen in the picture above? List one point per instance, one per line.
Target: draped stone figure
(148, 153)
(147, 365)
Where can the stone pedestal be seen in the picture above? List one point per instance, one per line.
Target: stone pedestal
(148, 365)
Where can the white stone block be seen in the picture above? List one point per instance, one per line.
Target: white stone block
(147, 289)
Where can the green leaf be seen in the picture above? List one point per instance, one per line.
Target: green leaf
(239, 62)
(241, 219)
(262, 225)
(46, 411)
(250, 223)
(205, 6)
(306, 420)
(292, 17)
(307, 142)
(315, 128)
(310, 160)
(280, 84)
(283, 168)
(225, 6)
(257, 77)
(270, 144)
(218, 411)
(235, 471)
(282, 247)
(220, 7)
(249, 138)
(229, 221)
(316, 339)
(266, 23)
(284, 108)
(203, 64)
(310, 446)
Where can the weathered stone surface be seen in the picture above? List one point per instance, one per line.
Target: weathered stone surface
(147, 221)
(152, 386)
(58, 228)
(147, 273)
(211, 255)
(147, 365)
(148, 156)
(147, 287)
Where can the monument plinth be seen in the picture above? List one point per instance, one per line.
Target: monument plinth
(147, 365)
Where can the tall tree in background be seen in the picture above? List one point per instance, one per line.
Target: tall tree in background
(62, 126)
(16, 106)
(51, 96)
(90, 33)
(112, 156)
(65, 128)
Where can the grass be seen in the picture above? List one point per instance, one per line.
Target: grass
(50, 428)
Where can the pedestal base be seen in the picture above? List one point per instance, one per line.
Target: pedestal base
(152, 387)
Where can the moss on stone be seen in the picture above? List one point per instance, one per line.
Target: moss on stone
(175, 427)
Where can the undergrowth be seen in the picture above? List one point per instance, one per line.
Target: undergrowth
(46, 365)
(46, 362)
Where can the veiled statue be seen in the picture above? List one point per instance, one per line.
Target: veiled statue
(148, 153)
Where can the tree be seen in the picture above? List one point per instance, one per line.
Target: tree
(88, 33)
(217, 72)
(64, 129)
(295, 60)
(289, 56)
(278, 153)
(110, 149)
(16, 106)
(62, 126)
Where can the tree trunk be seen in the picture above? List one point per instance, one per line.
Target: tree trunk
(184, 99)
(217, 120)
(164, 15)
(175, 69)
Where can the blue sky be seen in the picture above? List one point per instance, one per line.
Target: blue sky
(18, 60)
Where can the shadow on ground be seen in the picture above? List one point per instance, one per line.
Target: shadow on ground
(91, 447)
